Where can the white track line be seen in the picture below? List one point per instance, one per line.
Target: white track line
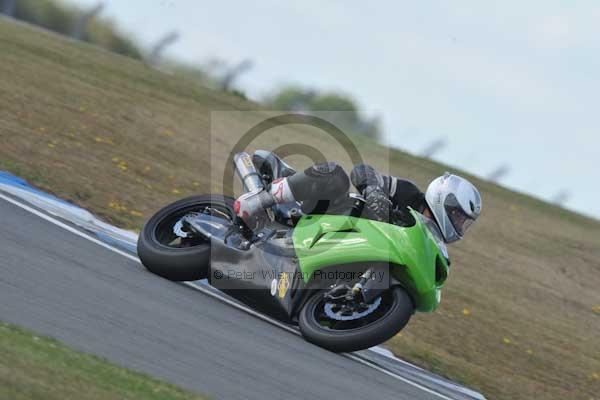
(296, 332)
(215, 295)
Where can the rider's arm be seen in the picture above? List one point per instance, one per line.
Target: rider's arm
(363, 175)
(371, 185)
(404, 193)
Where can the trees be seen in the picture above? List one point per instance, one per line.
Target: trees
(329, 105)
(60, 18)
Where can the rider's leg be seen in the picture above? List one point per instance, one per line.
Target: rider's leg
(321, 182)
(270, 164)
(327, 181)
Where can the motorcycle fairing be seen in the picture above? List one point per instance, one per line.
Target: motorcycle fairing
(264, 275)
(412, 252)
(282, 261)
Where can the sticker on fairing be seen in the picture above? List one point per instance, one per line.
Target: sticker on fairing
(284, 285)
(273, 287)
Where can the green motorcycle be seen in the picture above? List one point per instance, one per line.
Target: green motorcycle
(348, 281)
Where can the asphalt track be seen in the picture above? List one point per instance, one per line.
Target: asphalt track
(60, 284)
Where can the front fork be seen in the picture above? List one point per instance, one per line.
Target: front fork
(366, 290)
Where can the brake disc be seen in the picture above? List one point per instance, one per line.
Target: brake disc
(337, 315)
(178, 230)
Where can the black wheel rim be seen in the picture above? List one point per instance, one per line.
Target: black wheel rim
(325, 322)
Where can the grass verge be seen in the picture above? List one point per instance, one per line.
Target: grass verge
(36, 367)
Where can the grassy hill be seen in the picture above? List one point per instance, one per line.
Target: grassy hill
(520, 314)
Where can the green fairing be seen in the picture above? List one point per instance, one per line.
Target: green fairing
(323, 241)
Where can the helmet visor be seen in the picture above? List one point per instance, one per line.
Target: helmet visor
(460, 220)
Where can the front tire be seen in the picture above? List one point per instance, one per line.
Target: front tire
(162, 252)
(345, 337)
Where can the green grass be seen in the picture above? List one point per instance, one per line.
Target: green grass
(36, 367)
(517, 319)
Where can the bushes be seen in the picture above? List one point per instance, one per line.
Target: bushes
(61, 18)
(329, 105)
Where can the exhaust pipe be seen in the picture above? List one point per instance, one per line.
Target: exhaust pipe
(247, 172)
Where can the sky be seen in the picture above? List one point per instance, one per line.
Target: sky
(506, 82)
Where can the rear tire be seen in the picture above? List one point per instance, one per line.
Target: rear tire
(178, 263)
(400, 310)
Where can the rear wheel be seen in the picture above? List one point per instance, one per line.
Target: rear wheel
(345, 327)
(164, 251)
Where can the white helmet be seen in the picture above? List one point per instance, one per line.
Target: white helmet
(455, 204)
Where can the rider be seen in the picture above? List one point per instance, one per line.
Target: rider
(453, 202)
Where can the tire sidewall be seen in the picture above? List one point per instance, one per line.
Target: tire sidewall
(184, 264)
(361, 338)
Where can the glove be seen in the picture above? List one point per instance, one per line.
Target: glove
(378, 202)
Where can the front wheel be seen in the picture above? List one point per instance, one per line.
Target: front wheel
(352, 327)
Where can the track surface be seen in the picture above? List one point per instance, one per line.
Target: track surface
(95, 300)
